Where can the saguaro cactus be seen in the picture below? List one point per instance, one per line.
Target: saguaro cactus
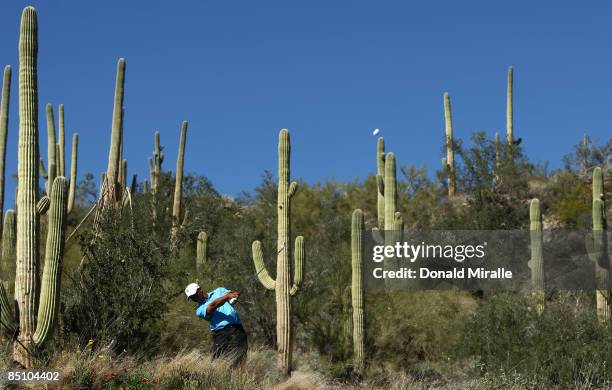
(155, 165)
(27, 219)
(178, 184)
(113, 189)
(380, 177)
(357, 235)
(73, 170)
(509, 115)
(497, 166)
(201, 248)
(536, 264)
(4, 107)
(598, 248)
(450, 152)
(283, 284)
(33, 331)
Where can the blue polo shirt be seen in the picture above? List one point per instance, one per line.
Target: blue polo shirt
(221, 317)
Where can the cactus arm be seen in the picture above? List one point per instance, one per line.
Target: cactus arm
(151, 169)
(61, 143)
(8, 245)
(41, 169)
(123, 179)
(73, 170)
(51, 279)
(378, 236)
(4, 110)
(390, 191)
(43, 205)
(7, 312)
(260, 267)
(299, 265)
(292, 189)
(112, 171)
(51, 146)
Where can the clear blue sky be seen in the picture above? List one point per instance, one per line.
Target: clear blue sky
(330, 71)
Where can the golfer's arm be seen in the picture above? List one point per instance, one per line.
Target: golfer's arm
(216, 303)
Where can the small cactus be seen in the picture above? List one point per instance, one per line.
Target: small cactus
(201, 250)
(357, 236)
(536, 264)
(598, 248)
(158, 159)
(450, 152)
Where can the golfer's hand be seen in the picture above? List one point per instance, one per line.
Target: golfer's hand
(233, 294)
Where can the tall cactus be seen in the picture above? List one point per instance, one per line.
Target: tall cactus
(73, 170)
(509, 106)
(450, 152)
(4, 107)
(27, 219)
(598, 248)
(201, 250)
(178, 184)
(536, 264)
(113, 189)
(283, 285)
(34, 330)
(380, 177)
(357, 235)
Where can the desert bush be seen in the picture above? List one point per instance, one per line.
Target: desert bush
(121, 292)
(561, 347)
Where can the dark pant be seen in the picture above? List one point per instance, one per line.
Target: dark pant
(230, 343)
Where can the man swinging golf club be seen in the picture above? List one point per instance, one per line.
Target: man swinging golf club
(216, 307)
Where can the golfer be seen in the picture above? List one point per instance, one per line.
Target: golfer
(216, 307)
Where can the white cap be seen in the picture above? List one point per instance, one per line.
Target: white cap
(191, 289)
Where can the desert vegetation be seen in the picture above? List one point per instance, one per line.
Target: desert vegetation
(105, 306)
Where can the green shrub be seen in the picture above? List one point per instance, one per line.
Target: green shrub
(561, 347)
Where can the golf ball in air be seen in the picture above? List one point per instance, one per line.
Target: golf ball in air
(376, 131)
